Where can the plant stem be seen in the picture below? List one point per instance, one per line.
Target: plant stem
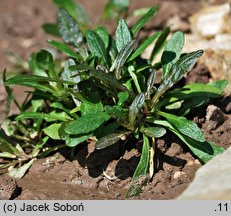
(151, 160)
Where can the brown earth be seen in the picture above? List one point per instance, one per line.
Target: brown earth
(104, 174)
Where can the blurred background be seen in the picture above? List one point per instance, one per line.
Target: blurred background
(21, 21)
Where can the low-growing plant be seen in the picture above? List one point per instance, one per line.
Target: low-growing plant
(105, 91)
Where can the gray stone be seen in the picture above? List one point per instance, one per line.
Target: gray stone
(212, 181)
(214, 117)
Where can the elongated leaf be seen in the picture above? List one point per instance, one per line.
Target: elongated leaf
(197, 89)
(53, 131)
(184, 64)
(39, 146)
(81, 15)
(193, 95)
(10, 97)
(115, 112)
(110, 139)
(108, 79)
(104, 35)
(220, 84)
(179, 69)
(64, 48)
(107, 129)
(70, 31)
(30, 79)
(160, 43)
(151, 81)
(21, 171)
(156, 132)
(96, 45)
(144, 45)
(7, 155)
(123, 97)
(203, 150)
(186, 127)
(140, 177)
(143, 20)
(67, 75)
(140, 11)
(29, 83)
(123, 35)
(172, 52)
(42, 64)
(115, 8)
(87, 123)
(68, 5)
(135, 107)
(49, 117)
(72, 141)
(51, 28)
(122, 57)
(91, 108)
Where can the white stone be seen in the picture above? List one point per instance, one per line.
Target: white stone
(212, 181)
(212, 20)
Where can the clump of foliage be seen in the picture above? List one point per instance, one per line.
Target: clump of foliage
(105, 91)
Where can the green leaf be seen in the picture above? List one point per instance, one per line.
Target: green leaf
(7, 155)
(144, 45)
(108, 79)
(144, 19)
(115, 112)
(123, 97)
(135, 107)
(184, 64)
(180, 68)
(220, 84)
(104, 35)
(87, 123)
(96, 45)
(72, 141)
(156, 132)
(32, 80)
(70, 32)
(203, 150)
(122, 57)
(197, 89)
(172, 52)
(42, 64)
(67, 73)
(115, 8)
(186, 127)
(53, 131)
(192, 95)
(151, 81)
(140, 11)
(160, 43)
(123, 35)
(110, 139)
(90, 108)
(64, 48)
(49, 117)
(140, 178)
(81, 15)
(39, 146)
(107, 129)
(68, 5)
(21, 171)
(51, 28)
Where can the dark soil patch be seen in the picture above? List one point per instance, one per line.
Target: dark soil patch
(103, 174)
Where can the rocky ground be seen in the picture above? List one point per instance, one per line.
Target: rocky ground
(106, 174)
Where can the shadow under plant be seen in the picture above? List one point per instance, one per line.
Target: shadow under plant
(107, 94)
